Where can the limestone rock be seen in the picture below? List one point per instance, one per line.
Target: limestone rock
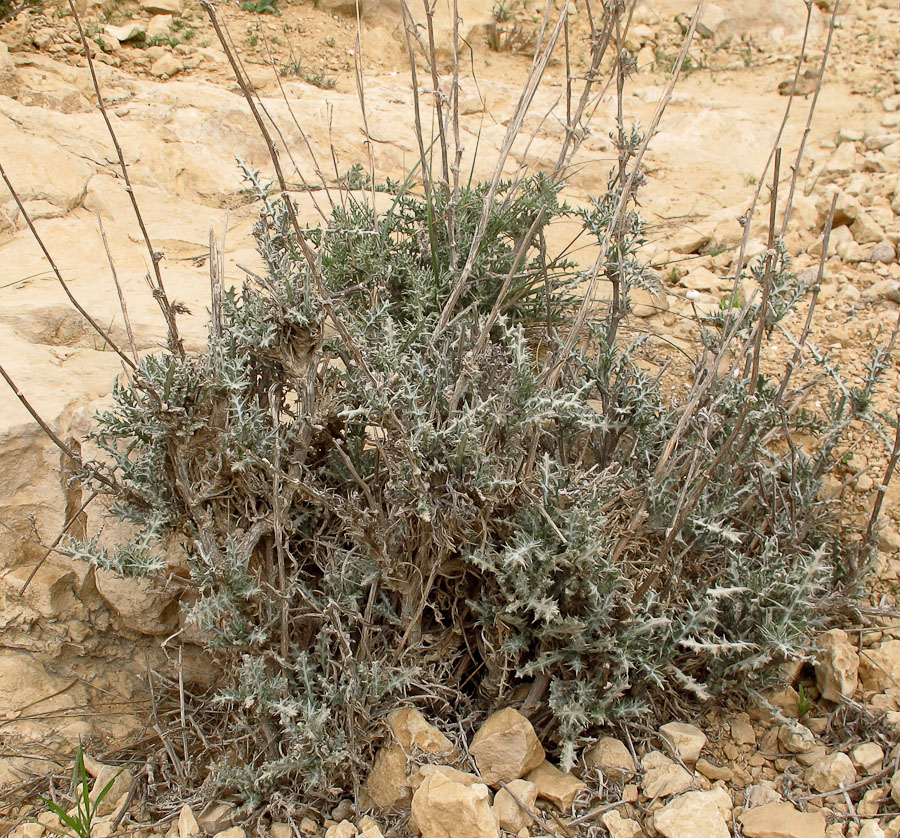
(865, 230)
(187, 823)
(368, 828)
(344, 829)
(166, 66)
(506, 747)
(759, 795)
(880, 667)
(442, 808)
(620, 827)
(787, 699)
(887, 289)
(761, 21)
(130, 31)
(232, 832)
(25, 684)
(813, 756)
(868, 757)
(689, 240)
(883, 252)
(160, 26)
(122, 781)
(742, 732)
(697, 814)
(782, 820)
(31, 157)
(343, 811)
(804, 84)
(701, 279)
(510, 816)
(107, 42)
(280, 829)
(870, 803)
(386, 784)
(613, 759)
(662, 776)
(684, 740)
(871, 829)
(714, 772)
(646, 303)
(342, 7)
(411, 730)
(843, 162)
(470, 102)
(845, 211)
(559, 787)
(796, 738)
(7, 72)
(219, 816)
(837, 668)
(841, 239)
(163, 7)
(830, 773)
(895, 787)
(140, 604)
(423, 771)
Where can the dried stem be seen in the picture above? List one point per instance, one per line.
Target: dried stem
(37, 237)
(807, 326)
(52, 548)
(159, 292)
(119, 292)
(627, 195)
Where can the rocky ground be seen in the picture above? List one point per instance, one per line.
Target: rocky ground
(823, 757)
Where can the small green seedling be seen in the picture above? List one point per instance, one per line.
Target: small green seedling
(81, 822)
(805, 704)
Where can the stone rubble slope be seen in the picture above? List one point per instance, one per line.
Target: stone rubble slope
(764, 790)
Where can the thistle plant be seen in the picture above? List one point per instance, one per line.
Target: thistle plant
(403, 508)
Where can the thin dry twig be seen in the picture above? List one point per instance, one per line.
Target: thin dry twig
(51, 549)
(159, 292)
(513, 130)
(78, 307)
(122, 303)
(533, 814)
(575, 331)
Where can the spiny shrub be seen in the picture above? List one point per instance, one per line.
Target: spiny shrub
(383, 493)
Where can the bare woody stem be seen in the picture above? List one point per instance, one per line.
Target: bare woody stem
(78, 307)
(159, 291)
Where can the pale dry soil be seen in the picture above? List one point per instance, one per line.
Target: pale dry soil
(74, 649)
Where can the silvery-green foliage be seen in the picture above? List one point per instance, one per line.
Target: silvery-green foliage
(379, 507)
